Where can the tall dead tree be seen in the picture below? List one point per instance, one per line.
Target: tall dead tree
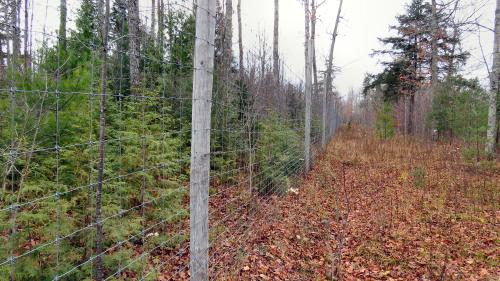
(495, 86)
(103, 10)
(329, 71)
(276, 58)
(161, 27)
(134, 44)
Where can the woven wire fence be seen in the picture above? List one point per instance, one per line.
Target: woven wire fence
(95, 173)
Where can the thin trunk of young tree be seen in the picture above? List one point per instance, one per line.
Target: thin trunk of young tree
(134, 45)
(103, 10)
(161, 27)
(153, 18)
(329, 70)
(495, 86)
(228, 37)
(276, 58)
(313, 39)
(62, 34)
(240, 42)
(434, 48)
(16, 45)
(308, 88)
(27, 55)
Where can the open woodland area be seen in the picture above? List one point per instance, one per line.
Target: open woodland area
(186, 140)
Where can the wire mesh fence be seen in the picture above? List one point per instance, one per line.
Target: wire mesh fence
(95, 146)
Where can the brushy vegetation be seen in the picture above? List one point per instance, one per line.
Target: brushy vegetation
(377, 209)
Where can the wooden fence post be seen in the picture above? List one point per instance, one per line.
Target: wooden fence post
(200, 138)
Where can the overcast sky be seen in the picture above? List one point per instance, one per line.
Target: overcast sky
(363, 21)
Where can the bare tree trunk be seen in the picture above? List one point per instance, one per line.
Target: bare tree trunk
(240, 41)
(495, 85)
(308, 89)
(103, 10)
(434, 48)
(27, 55)
(276, 58)
(134, 45)
(153, 18)
(16, 45)
(329, 71)
(228, 37)
(161, 27)
(313, 38)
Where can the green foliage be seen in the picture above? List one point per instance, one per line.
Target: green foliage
(385, 122)
(460, 109)
(419, 175)
(278, 155)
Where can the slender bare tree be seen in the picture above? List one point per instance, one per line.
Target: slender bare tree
(134, 44)
(313, 39)
(434, 48)
(153, 18)
(329, 71)
(27, 55)
(228, 37)
(240, 41)
(495, 86)
(276, 58)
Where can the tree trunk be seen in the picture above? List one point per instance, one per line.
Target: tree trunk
(434, 49)
(240, 42)
(495, 85)
(103, 10)
(161, 28)
(27, 55)
(329, 70)
(16, 44)
(308, 89)
(134, 45)
(228, 37)
(276, 58)
(313, 39)
(62, 35)
(153, 18)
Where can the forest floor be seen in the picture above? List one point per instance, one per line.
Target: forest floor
(375, 210)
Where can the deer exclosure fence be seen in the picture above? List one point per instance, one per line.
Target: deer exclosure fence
(160, 179)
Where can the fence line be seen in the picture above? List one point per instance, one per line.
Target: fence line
(96, 175)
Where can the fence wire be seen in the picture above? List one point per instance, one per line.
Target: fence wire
(55, 196)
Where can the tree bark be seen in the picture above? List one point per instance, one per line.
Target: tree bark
(313, 38)
(228, 37)
(329, 70)
(240, 42)
(276, 58)
(153, 18)
(134, 45)
(27, 55)
(495, 83)
(308, 89)
(434, 48)
(16, 44)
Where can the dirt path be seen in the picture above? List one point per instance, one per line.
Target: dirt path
(373, 210)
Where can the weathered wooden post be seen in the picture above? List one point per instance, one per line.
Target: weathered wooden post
(200, 138)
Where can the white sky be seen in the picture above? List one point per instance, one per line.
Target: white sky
(363, 22)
